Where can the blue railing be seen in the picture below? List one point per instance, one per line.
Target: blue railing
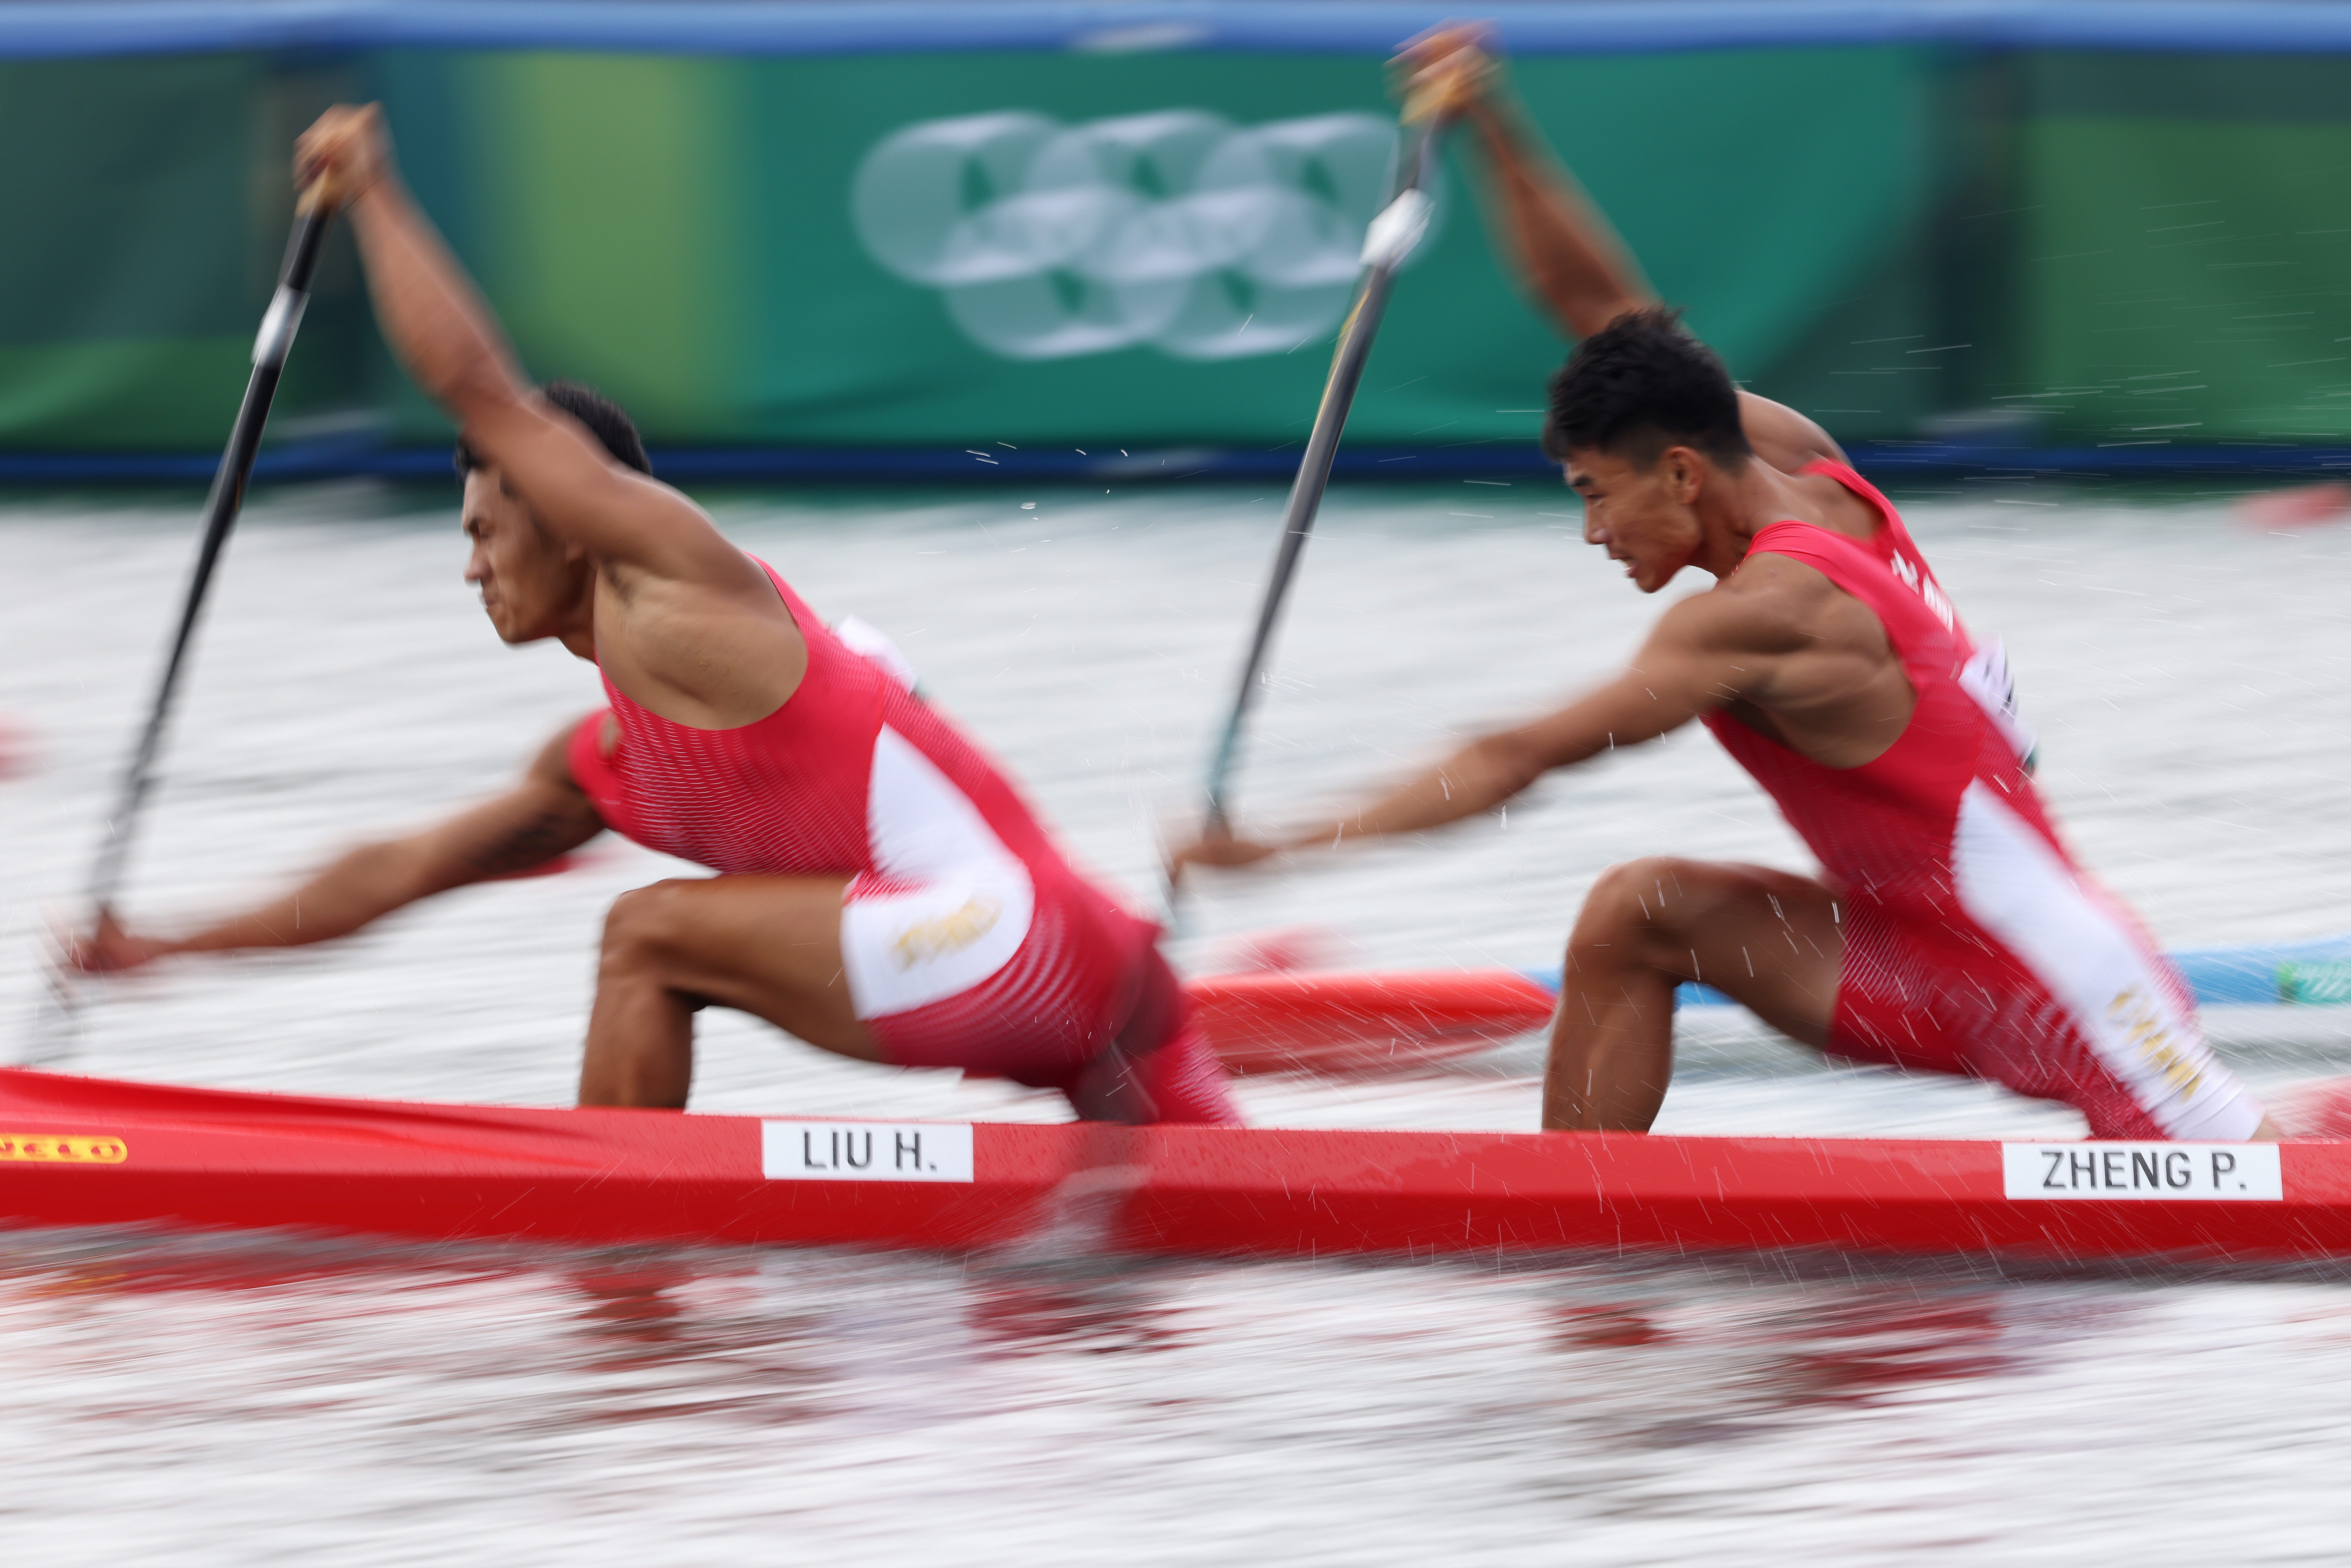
(31, 29)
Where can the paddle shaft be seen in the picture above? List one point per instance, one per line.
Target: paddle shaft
(1362, 324)
(269, 349)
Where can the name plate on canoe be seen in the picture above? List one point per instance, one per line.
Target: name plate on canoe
(867, 1150)
(2236, 1173)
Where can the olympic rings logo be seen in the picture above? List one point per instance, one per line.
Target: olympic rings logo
(1177, 229)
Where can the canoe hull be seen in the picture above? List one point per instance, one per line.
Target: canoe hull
(215, 1159)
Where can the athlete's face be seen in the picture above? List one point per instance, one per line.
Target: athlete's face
(529, 584)
(1643, 517)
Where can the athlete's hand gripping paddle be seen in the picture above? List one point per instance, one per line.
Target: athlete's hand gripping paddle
(53, 1034)
(1386, 242)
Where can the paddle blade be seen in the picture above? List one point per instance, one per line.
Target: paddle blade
(1355, 1024)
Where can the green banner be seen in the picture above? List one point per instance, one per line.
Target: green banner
(1061, 250)
(939, 251)
(949, 250)
(2185, 251)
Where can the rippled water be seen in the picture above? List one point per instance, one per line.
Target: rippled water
(205, 1401)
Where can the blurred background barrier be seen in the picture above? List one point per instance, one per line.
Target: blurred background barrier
(912, 239)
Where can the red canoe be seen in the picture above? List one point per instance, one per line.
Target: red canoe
(81, 1151)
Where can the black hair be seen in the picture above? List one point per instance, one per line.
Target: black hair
(1638, 385)
(607, 420)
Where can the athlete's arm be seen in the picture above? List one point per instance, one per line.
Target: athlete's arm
(1566, 251)
(691, 626)
(1571, 259)
(543, 816)
(448, 340)
(1706, 651)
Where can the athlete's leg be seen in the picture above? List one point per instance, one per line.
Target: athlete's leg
(1767, 938)
(769, 945)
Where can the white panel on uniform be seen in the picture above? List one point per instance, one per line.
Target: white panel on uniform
(964, 923)
(2016, 887)
(1986, 678)
(870, 643)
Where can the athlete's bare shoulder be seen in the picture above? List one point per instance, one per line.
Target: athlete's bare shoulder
(1721, 648)
(1790, 443)
(1782, 438)
(700, 656)
(1769, 609)
(1813, 665)
(1779, 617)
(1826, 503)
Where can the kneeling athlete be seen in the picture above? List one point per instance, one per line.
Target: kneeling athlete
(884, 891)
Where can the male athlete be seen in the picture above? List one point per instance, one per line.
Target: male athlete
(1950, 931)
(884, 892)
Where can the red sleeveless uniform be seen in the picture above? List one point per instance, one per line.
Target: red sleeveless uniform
(1973, 943)
(967, 940)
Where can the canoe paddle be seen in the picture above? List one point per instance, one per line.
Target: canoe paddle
(1085, 1209)
(1386, 242)
(53, 1034)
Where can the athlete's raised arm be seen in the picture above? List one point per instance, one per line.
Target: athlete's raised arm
(445, 337)
(684, 623)
(1564, 250)
(543, 816)
(1570, 256)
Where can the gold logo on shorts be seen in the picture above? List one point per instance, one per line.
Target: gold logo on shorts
(932, 939)
(2154, 1043)
(64, 1148)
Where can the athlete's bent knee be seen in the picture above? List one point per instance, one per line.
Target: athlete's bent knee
(1633, 895)
(1619, 916)
(640, 927)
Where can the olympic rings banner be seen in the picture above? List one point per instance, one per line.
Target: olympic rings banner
(1178, 229)
(1050, 249)
(891, 226)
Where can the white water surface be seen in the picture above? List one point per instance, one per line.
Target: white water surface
(205, 1401)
